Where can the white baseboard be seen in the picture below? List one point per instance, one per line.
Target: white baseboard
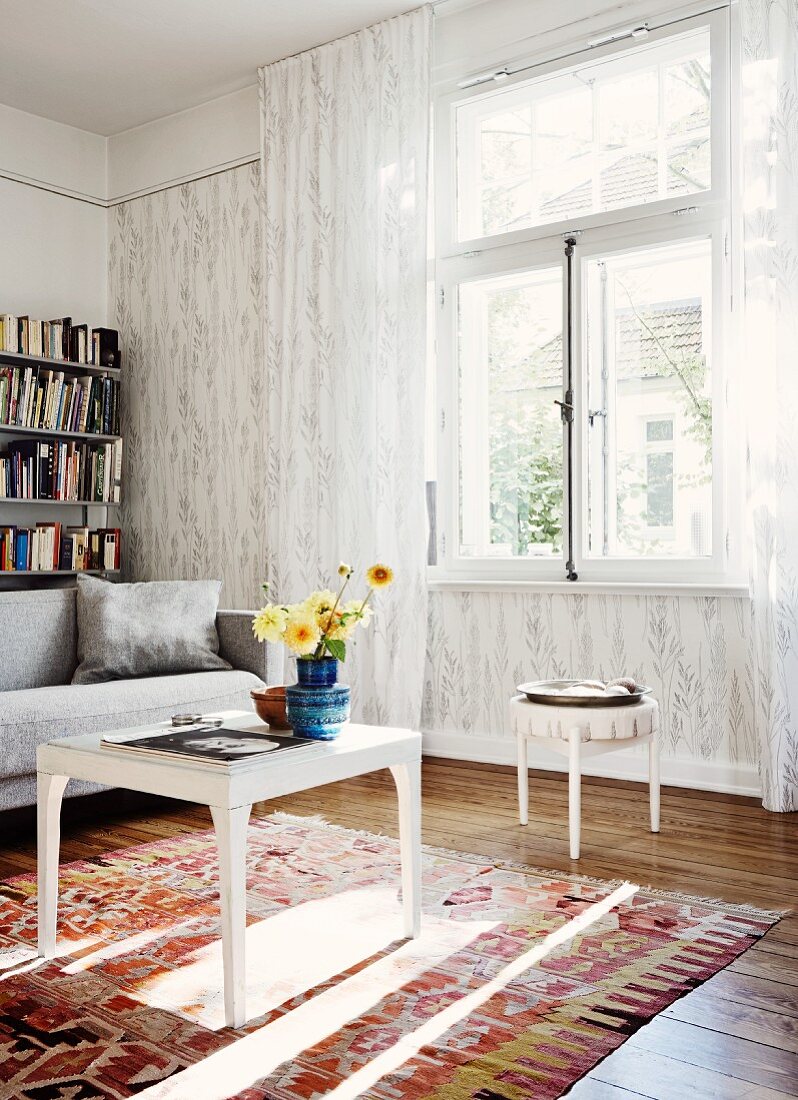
(702, 775)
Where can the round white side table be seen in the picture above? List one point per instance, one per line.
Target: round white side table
(578, 732)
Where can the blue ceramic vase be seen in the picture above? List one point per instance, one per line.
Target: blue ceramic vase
(317, 706)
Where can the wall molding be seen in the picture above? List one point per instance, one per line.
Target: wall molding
(54, 189)
(109, 204)
(192, 177)
(702, 775)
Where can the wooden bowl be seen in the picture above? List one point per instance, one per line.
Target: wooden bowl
(270, 706)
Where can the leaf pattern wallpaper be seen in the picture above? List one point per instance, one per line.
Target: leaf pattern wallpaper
(266, 423)
(185, 293)
(692, 650)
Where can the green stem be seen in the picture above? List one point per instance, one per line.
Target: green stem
(323, 643)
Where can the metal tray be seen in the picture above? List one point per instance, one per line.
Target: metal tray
(540, 691)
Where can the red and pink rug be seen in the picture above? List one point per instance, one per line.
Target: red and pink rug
(520, 983)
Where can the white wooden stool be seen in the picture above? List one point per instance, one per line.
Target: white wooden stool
(577, 732)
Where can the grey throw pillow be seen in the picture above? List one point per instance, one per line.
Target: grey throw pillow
(151, 629)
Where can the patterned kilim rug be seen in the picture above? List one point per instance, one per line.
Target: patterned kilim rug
(521, 981)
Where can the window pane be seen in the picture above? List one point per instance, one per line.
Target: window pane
(659, 489)
(511, 469)
(659, 430)
(688, 167)
(650, 402)
(609, 134)
(686, 95)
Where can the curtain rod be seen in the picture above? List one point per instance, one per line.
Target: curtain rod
(635, 30)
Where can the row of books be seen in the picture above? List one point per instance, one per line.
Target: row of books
(60, 339)
(35, 397)
(49, 470)
(49, 546)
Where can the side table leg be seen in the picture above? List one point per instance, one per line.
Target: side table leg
(523, 781)
(574, 791)
(653, 780)
(407, 778)
(231, 841)
(49, 791)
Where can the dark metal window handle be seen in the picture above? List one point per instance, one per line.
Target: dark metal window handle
(567, 407)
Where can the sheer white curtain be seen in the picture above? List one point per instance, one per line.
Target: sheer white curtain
(345, 135)
(770, 370)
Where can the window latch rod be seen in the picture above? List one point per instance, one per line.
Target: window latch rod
(566, 411)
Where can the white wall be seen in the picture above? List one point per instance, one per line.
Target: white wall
(54, 240)
(51, 154)
(212, 137)
(53, 256)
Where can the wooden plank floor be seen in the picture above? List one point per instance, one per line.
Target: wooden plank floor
(736, 1037)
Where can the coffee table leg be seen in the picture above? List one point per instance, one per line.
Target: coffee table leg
(49, 791)
(231, 841)
(408, 787)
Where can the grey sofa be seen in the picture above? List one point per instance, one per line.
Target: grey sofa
(38, 702)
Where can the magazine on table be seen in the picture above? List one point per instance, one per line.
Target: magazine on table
(213, 745)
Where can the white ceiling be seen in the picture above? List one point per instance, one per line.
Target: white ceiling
(108, 65)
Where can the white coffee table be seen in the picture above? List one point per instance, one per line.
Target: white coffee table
(230, 795)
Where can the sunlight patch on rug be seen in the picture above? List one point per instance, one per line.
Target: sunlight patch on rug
(520, 982)
(247, 1060)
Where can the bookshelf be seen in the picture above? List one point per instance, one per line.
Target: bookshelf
(75, 512)
(54, 433)
(17, 359)
(60, 503)
(45, 573)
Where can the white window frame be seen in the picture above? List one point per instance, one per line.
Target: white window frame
(681, 217)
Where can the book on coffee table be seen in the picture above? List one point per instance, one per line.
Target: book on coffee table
(211, 745)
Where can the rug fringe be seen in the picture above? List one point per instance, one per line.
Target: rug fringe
(753, 911)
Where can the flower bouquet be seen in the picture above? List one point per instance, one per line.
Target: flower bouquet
(316, 631)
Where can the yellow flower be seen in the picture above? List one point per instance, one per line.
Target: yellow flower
(344, 570)
(302, 633)
(379, 576)
(269, 624)
(341, 629)
(319, 602)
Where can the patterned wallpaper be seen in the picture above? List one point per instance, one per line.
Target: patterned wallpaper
(184, 291)
(692, 650)
(185, 285)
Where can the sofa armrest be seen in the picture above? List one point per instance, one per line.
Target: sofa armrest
(238, 645)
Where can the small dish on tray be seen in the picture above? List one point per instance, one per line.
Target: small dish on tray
(549, 693)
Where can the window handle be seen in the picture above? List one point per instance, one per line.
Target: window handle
(566, 411)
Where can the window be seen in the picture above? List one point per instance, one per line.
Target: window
(605, 135)
(582, 303)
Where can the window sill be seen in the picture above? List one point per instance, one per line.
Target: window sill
(595, 588)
